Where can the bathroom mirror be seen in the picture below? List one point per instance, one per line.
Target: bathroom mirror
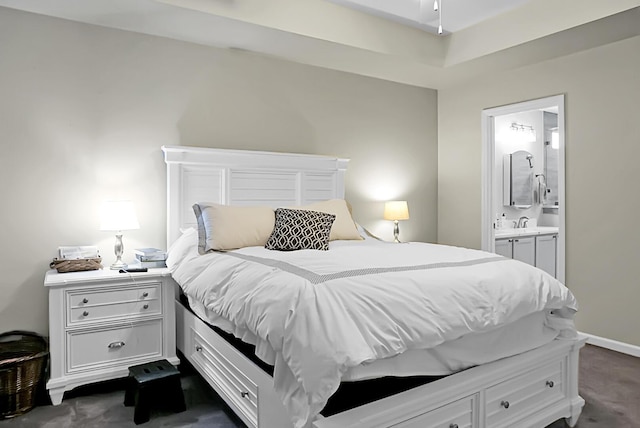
(518, 179)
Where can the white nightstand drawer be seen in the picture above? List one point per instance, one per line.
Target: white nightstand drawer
(91, 349)
(99, 296)
(102, 304)
(513, 399)
(116, 310)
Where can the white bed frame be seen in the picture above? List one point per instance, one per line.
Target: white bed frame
(532, 389)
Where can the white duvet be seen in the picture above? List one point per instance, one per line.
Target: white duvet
(315, 314)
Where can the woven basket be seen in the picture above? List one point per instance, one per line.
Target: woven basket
(76, 265)
(22, 362)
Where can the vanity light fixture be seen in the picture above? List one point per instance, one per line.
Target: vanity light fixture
(396, 210)
(519, 127)
(118, 216)
(522, 133)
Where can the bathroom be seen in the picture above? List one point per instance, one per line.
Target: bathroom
(527, 167)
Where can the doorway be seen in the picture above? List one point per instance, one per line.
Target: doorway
(534, 131)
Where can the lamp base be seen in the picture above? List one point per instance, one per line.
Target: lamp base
(119, 264)
(118, 249)
(396, 232)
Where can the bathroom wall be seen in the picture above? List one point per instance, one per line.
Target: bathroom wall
(549, 215)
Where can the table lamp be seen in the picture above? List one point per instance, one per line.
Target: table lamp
(118, 216)
(396, 210)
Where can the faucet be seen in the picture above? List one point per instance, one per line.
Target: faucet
(522, 222)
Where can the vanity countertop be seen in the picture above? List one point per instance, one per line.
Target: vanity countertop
(527, 231)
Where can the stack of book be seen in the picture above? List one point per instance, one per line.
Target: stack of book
(150, 258)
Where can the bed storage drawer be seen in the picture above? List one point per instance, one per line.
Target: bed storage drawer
(459, 414)
(513, 399)
(227, 377)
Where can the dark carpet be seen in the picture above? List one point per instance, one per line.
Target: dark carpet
(609, 383)
(101, 405)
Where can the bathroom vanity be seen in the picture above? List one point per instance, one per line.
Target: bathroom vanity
(536, 246)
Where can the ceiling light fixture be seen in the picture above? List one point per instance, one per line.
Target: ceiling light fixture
(438, 8)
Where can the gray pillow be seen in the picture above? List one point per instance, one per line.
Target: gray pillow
(202, 231)
(300, 230)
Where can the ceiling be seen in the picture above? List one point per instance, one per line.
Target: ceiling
(388, 43)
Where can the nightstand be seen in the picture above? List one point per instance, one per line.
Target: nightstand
(101, 322)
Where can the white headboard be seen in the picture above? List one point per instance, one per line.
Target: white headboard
(242, 177)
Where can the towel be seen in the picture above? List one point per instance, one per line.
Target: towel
(542, 189)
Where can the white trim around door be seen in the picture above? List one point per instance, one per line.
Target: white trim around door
(488, 171)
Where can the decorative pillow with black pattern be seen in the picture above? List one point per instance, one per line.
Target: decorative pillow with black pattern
(300, 230)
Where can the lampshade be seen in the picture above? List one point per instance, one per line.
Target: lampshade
(396, 210)
(118, 215)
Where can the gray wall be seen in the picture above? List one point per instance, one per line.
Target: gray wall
(602, 88)
(84, 111)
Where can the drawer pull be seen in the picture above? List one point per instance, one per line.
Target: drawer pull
(145, 294)
(85, 300)
(198, 348)
(453, 425)
(244, 394)
(85, 314)
(505, 404)
(145, 307)
(116, 345)
(550, 383)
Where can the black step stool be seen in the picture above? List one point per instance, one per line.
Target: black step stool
(150, 382)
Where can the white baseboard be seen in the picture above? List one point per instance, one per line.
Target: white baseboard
(614, 345)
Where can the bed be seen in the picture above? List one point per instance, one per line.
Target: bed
(531, 388)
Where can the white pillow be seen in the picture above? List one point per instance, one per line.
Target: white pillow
(343, 226)
(366, 235)
(182, 248)
(229, 227)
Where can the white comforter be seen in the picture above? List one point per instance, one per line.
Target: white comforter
(322, 312)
